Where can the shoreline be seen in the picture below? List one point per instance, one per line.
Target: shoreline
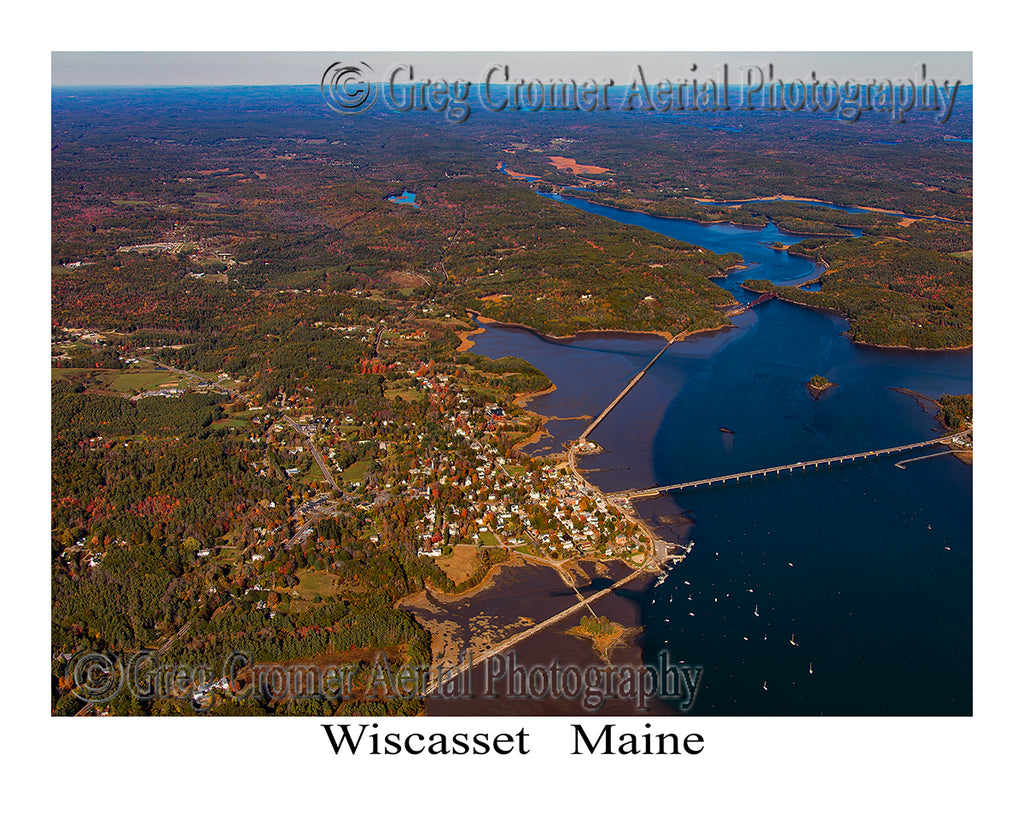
(598, 332)
(965, 456)
(455, 629)
(788, 197)
(832, 311)
(522, 400)
(906, 218)
(907, 346)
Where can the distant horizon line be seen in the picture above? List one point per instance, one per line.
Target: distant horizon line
(158, 86)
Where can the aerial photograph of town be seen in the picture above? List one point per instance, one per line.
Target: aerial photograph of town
(489, 385)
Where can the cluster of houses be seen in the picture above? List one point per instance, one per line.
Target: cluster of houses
(546, 507)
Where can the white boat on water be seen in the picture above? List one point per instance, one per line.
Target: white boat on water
(792, 640)
(755, 610)
(764, 685)
(810, 669)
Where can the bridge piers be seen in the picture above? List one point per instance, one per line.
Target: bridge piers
(777, 470)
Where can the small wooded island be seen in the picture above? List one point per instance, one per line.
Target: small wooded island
(818, 385)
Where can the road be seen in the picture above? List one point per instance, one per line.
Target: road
(652, 552)
(316, 453)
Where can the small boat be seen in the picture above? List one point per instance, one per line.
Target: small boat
(810, 668)
(764, 685)
(686, 582)
(726, 430)
(792, 640)
(791, 565)
(746, 638)
(755, 610)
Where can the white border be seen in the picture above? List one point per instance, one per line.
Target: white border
(796, 766)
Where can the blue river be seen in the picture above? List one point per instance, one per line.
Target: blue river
(839, 591)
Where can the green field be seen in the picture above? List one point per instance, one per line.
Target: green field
(404, 394)
(229, 423)
(311, 584)
(133, 381)
(356, 472)
(314, 474)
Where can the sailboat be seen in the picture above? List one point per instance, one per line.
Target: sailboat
(755, 610)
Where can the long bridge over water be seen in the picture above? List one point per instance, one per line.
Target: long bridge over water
(636, 378)
(776, 470)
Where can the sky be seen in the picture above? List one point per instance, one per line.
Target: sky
(162, 68)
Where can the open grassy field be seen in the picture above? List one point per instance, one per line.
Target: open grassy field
(230, 423)
(134, 381)
(405, 394)
(311, 585)
(314, 474)
(356, 472)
